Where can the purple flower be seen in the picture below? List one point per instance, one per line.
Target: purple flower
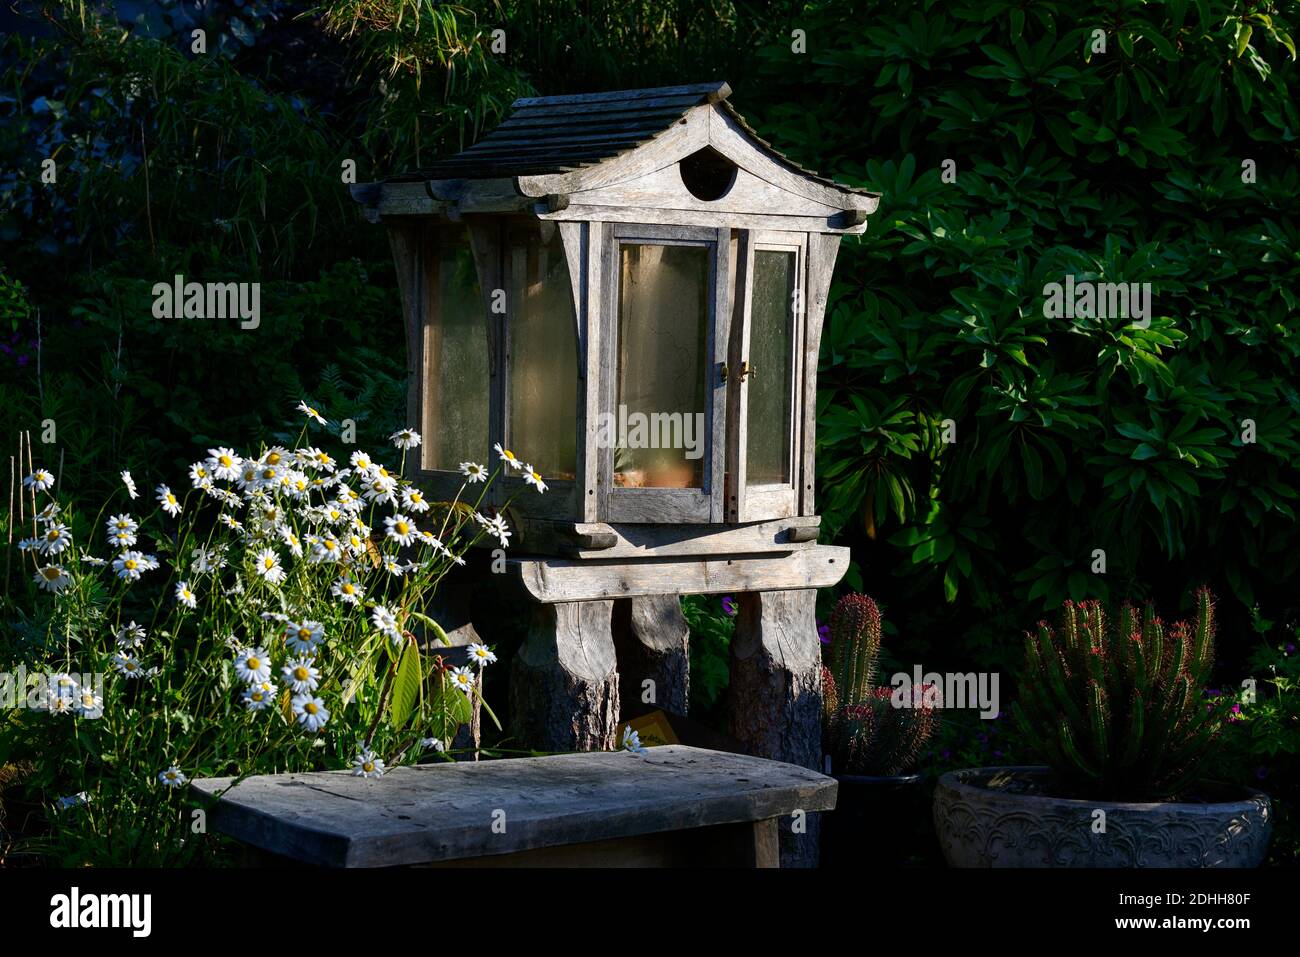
(729, 607)
(946, 754)
(997, 754)
(1261, 772)
(824, 632)
(1290, 648)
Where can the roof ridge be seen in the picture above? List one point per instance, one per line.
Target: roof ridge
(713, 92)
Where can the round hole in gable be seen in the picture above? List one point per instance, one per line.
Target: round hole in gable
(707, 174)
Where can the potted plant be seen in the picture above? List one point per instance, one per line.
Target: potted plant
(872, 738)
(1117, 711)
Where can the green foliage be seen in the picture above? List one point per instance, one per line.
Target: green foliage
(1262, 734)
(710, 646)
(1067, 435)
(870, 730)
(1117, 709)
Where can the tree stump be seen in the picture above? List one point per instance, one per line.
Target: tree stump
(775, 694)
(564, 682)
(652, 640)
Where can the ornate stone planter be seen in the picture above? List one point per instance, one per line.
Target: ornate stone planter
(1002, 817)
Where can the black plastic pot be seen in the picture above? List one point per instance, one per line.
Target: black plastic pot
(881, 820)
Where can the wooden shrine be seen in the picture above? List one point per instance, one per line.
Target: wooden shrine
(627, 289)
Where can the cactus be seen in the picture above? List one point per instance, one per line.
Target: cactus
(1116, 708)
(855, 643)
(869, 730)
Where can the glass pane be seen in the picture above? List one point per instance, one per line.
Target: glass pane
(456, 379)
(770, 382)
(660, 433)
(543, 356)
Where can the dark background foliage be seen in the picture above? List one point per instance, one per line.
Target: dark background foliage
(1070, 435)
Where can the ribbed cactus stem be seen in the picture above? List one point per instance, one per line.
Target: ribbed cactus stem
(855, 634)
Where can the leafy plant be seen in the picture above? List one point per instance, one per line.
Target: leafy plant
(1117, 709)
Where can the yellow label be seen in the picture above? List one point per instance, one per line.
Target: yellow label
(653, 729)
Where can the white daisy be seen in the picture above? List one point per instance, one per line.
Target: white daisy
(304, 637)
(311, 413)
(310, 711)
(232, 523)
(207, 560)
(128, 666)
(253, 666)
(267, 564)
(93, 560)
(318, 459)
(414, 500)
(481, 655)
(366, 765)
(473, 472)
(326, 550)
(289, 538)
(259, 696)
(360, 460)
(122, 523)
(129, 565)
(301, 675)
(49, 513)
(52, 578)
(632, 740)
(130, 484)
(385, 623)
(40, 480)
(401, 529)
(168, 501)
(463, 679)
(224, 464)
(393, 566)
(55, 538)
(185, 596)
(405, 438)
(130, 635)
(200, 475)
(173, 777)
(90, 704)
(507, 456)
(432, 744)
(534, 478)
(348, 591)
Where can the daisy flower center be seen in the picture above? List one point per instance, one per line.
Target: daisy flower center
(304, 633)
(310, 707)
(347, 589)
(51, 573)
(301, 673)
(273, 458)
(130, 564)
(269, 563)
(402, 528)
(53, 535)
(254, 664)
(368, 766)
(226, 461)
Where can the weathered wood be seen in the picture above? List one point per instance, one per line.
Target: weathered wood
(664, 189)
(822, 251)
(704, 218)
(446, 811)
(652, 641)
(775, 692)
(564, 682)
(629, 540)
(410, 255)
(578, 580)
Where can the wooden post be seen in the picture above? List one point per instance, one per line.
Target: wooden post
(564, 683)
(775, 694)
(653, 644)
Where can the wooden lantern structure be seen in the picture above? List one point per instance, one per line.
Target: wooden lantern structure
(599, 262)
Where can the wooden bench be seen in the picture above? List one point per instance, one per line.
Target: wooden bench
(669, 806)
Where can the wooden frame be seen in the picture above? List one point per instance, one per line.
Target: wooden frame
(748, 502)
(668, 504)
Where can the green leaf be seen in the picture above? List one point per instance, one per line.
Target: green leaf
(406, 687)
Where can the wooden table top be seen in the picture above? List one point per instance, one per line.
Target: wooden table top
(452, 811)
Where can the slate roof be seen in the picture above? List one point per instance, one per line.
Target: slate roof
(559, 134)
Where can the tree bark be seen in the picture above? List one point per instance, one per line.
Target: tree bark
(775, 694)
(564, 683)
(652, 640)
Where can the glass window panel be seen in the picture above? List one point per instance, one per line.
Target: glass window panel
(770, 384)
(543, 355)
(661, 437)
(456, 380)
